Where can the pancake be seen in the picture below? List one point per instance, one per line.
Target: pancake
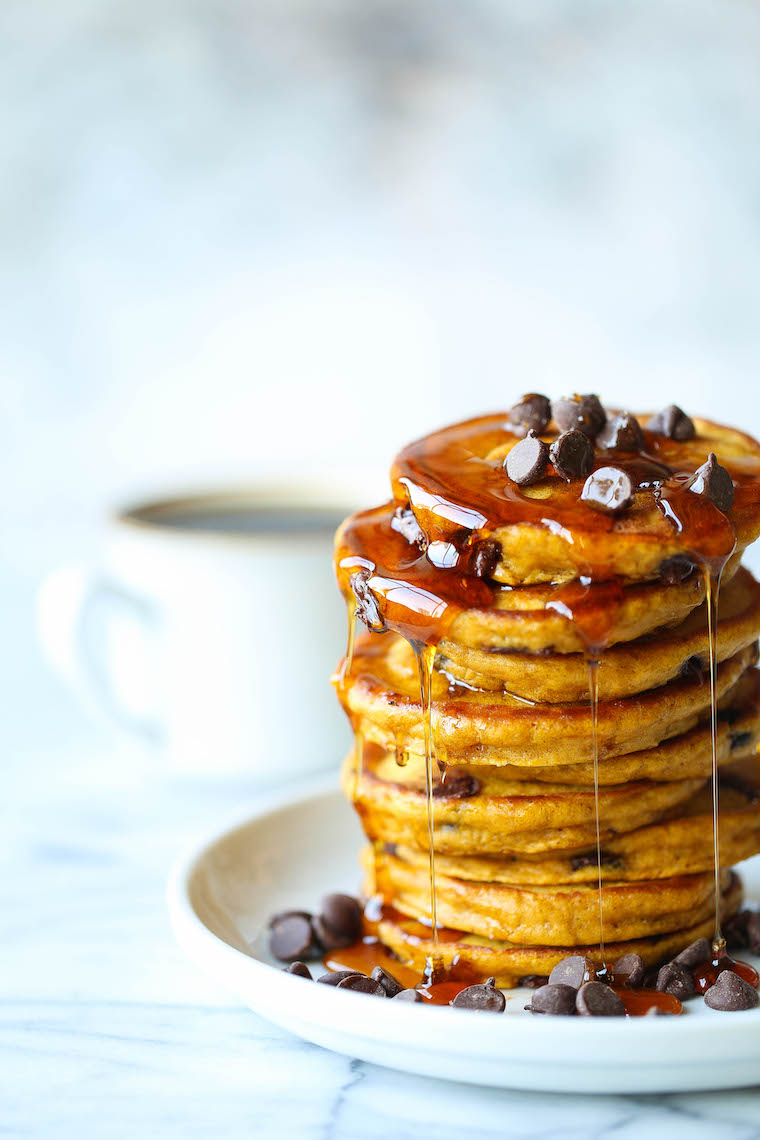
(381, 697)
(625, 669)
(508, 963)
(496, 816)
(558, 915)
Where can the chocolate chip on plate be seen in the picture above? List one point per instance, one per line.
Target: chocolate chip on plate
(532, 412)
(485, 997)
(572, 455)
(361, 984)
(387, 981)
(715, 483)
(558, 1000)
(404, 522)
(283, 914)
(673, 423)
(584, 413)
(292, 938)
(484, 557)
(694, 954)
(734, 930)
(623, 433)
(527, 461)
(731, 993)
(753, 932)
(673, 570)
(572, 971)
(366, 602)
(630, 968)
(339, 922)
(595, 999)
(608, 489)
(675, 979)
(408, 995)
(335, 977)
(300, 969)
(533, 981)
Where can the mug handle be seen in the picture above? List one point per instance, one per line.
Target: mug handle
(74, 608)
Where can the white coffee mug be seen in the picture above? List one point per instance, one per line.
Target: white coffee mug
(212, 628)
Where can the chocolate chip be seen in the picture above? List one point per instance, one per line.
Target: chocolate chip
(387, 981)
(528, 460)
(583, 413)
(283, 914)
(589, 859)
(456, 786)
(292, 938)
(361, 984)
(715, 483)
(533, 981)
(335, 977)
(731, 993)
(623, 433)
(694, 666)
(595, 999)
(339, 922)
(734, 930)
(572, 455)
(740, 784)
(300, 969)
(532, 412)
(608, 489)
(572, 971)
(694, 954)
(631, 968)
(404, 522)
(673, 570)
(408, 995)
(753, 932)
(485, 997)
(672, 422)
(484, 557)
(366, 603)
(739, 740)
(676, 980)
(558, 1000)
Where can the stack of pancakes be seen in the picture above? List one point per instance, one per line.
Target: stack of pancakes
(511, 616)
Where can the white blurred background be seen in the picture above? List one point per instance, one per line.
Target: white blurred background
(287, 235)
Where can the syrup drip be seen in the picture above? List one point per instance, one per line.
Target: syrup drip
(706, 973)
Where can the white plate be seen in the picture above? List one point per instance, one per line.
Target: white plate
(288, 854)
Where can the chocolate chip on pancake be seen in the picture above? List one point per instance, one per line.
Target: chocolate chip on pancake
(366, 602)
(558, 1000)
(361, 984)
(485, 997)
(608, 489)
(300, 969)
(673, 423)
(676, 980)
(387, 981)
(623, 433)
(408, 995)
(335, 977)
(675, 569)
(584, 413)
(484, 557)
(595, 999)
(739, 740)
(341, 916)
(715, 483)
(731, 993)
(572, 971)
(404, 522)
(527, 461)
(572, 455)
(292, 938)
(697, 952)
(631, 969)
(457, 785)
(532, 412)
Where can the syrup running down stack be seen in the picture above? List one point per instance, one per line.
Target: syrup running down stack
(552, 689)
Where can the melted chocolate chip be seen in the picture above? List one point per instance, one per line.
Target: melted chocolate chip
(623, 433)
(694, 666)
(300, 969)
(408, 995)
(366, 602)
(608, 489)
(486, 998)
(456, 786)
(731, 993)
(484, 557)
(360, 984)
(531, 413)
(594, 999)
(674, 570)
(589, 859)
(387, 981)
(584, 413)
(739, 740)
(673, 423)
(572, 971)
(558, 1000)
(572, 455)
(694, 954)
(676, 980)
(527, 461)
(631, 968)
(292, 938)
(404, 522)
(715, 483)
